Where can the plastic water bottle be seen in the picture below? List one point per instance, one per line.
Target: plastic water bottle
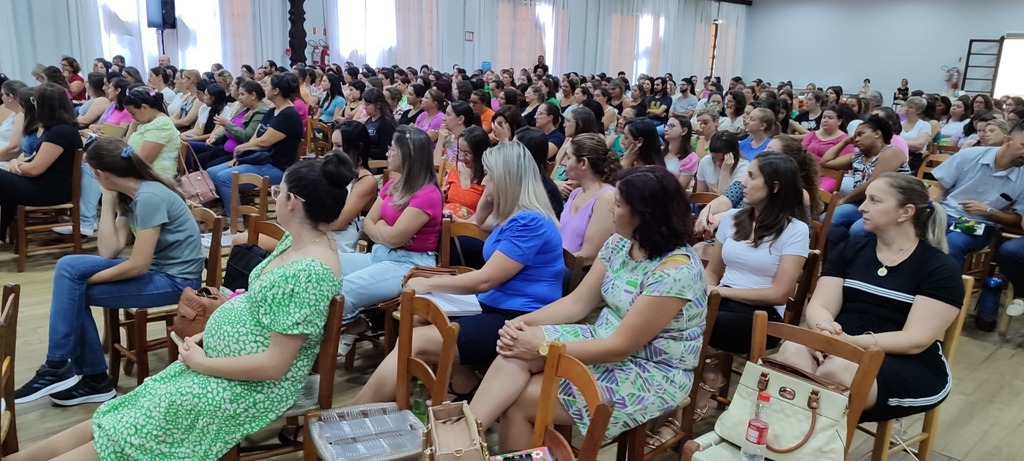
(419, 401)
(988, 304)
(755, 447)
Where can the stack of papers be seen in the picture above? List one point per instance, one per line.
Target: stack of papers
(454, 305)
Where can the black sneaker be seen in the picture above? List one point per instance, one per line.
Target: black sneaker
(85, 391)
(46, 381)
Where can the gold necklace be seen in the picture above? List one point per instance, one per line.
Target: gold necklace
(882, 271)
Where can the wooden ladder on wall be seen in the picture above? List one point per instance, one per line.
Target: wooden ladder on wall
(982, 66)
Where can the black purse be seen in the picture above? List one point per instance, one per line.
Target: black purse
(254, 157)
(242, 260)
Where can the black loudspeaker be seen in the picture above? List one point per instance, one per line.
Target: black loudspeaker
(160, 14)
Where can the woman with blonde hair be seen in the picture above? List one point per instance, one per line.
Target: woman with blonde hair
(760, 126)
(183, 110)
(522, 273)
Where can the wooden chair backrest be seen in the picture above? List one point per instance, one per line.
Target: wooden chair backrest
(262, 191)
(8, 349)
(929, 163)
(326, 363)
(869, 360)
(377, 165)
(209, 221)
(575, 266)
(451, 230)
(951, 338)
(410, 367)
(320, 137)
(259, 227)
(702, 198)
(557, 367)
(946, 149)
(796, 304)
(837, 175)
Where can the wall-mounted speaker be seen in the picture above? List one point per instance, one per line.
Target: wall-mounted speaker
(160, 14)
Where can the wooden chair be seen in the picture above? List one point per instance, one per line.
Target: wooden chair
(259, 197)
(258, 227)
(8, 345)
(320, 138)
(208, 221)
(1008, 295)
(926, 438)
(868, 362)
(928, 164)
(819, 229)
(451, 230)
(804, 287)
(409, 367)
(632, 443)
(136, 320)
(575, 266)
(836, 175)
(557, 367)
(325, 367)
(36, 223)
(978, 264)
(702, 198)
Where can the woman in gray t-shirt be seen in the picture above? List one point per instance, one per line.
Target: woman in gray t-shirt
(167, 257)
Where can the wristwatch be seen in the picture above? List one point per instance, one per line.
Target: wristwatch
(989, 211)
(543, 349)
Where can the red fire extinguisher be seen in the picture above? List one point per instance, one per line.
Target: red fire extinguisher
(325, 56)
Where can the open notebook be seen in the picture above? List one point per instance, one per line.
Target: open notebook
(454, 305)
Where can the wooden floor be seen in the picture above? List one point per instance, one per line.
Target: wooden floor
(981, 420)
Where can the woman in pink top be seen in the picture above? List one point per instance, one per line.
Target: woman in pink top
(680, 159)
(829, 134)
(587, 220)
(404, 224)
(115, 90)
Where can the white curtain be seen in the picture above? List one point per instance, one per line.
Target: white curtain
(364, 31)
(269, 32)
(43, 31)
(729, 58)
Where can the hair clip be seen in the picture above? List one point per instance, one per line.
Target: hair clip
(931, 204)
(152, 92)
(127, 152)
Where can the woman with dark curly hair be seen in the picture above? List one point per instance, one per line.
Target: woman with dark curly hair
(646, 340)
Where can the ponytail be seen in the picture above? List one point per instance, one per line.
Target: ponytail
(935, 226)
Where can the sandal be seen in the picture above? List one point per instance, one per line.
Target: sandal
(669, 429)
(290, 435)
(463, 397)
(703, 402)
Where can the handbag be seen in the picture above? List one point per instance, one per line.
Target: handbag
(241, 262)
(196, 185)
(254, 157)
(454, 434)
(194, 308)
(806, 416)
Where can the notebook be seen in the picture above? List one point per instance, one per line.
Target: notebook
(113, 131)
(454, 305)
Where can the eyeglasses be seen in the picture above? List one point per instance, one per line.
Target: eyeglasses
(275, 192)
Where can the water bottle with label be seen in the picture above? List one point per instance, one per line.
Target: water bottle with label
(755, 446)
(419, 401)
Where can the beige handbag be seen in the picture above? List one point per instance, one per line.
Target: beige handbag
(453, 434)
(806, 416)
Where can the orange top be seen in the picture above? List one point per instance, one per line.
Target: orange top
(485, 118)
(460, 197)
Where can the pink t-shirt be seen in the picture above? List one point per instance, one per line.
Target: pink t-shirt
(901, 144)
(303, 110)
(430, 124)
(119, 117)
(427, 199)
(818, 147)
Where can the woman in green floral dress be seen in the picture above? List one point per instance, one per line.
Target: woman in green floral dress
(646, 342)
(257, 349)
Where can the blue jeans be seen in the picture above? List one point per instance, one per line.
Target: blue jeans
(221, 177)
(89, 202)
(374, 277)
(960, 243)
(846, 224)
(1010, 257)
(73, 334)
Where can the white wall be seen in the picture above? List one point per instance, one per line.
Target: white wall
(843, 42)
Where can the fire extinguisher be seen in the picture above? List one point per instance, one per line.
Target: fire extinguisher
(325, 56)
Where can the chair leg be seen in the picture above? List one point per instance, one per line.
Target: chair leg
(141, 345)
(637, 443)
(883, 433)
(113, 321)
(929, 426)
(232, 455)
(350, 357)
(22, 244)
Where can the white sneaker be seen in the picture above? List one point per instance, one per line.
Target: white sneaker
(66, 230)
(1015, 308)
(345, 345)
